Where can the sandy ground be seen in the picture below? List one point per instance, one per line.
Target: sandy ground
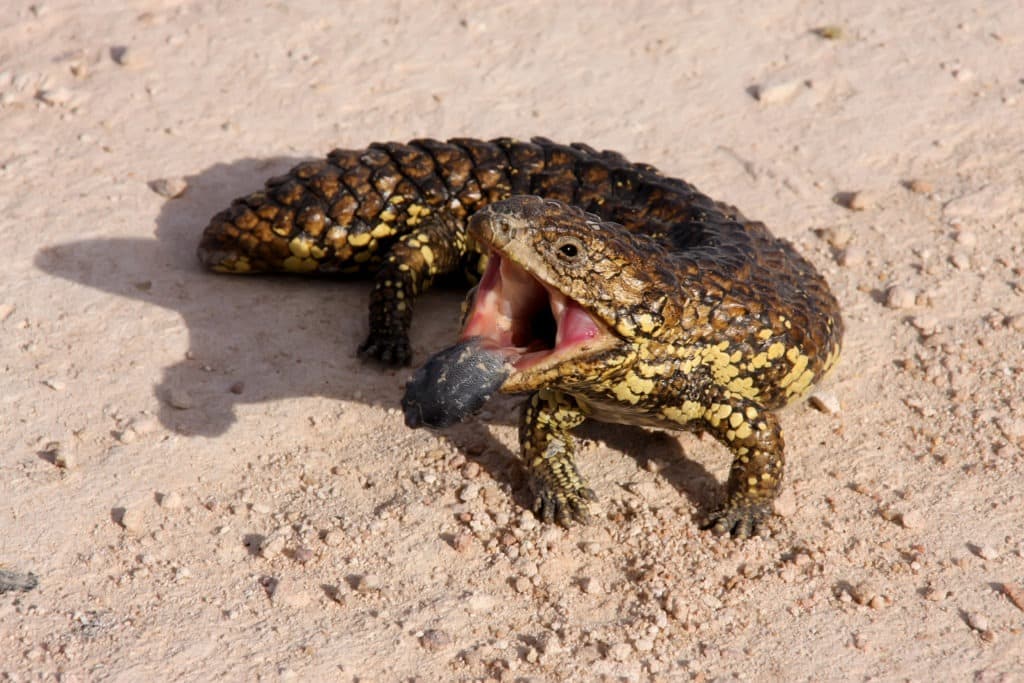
(209, 485)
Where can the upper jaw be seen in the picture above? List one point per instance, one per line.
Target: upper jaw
(531, 322)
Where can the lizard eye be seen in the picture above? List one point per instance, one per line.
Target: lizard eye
(568, 248)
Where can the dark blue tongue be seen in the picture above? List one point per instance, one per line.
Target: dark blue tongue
(454, 384)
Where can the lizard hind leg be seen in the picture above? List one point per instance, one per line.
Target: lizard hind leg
(755, 439)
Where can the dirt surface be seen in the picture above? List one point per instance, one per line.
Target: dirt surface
(208, 484)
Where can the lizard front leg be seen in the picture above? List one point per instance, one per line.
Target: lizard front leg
(435, 248)
(560, 493)
(754, 437)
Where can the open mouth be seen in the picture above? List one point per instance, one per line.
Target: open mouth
(530, 322)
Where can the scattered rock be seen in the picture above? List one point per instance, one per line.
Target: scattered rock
(912, 519)
(987, 552)
(433, 640)
(966, 238)
(171, 500)
(830, 32)
(838, 238)
(775, 91)
(334, 538)
(169, 187)
(522, 584)
(785, 503)
(860, 200)
(368, 583)
(462, 542)
(899, 296)
(919, 186)
(960, 260)
(289, 593)
(852, 256)
(56, 97)
(179, 398)
(55, 384)
(273, 545)
(237, 387)
(591, 586)
(132, 519)
(620, 652)
(1015, 593)
(825, 401)
(480, 602)
(977, 621)
(63, 459)
(123, 55)
(469, 492)
(926, 325)
(5, 311)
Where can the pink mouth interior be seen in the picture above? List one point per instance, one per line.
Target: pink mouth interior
(524, 318)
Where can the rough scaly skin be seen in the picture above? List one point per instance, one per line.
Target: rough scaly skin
(398, 212)
(711, 323)
(707, 329)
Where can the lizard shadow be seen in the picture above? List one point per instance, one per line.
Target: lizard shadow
(251, 339)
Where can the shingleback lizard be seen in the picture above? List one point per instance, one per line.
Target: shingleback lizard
(663, 308)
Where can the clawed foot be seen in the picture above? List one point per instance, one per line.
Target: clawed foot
(388, 350)
(740, 521)
(563, 507)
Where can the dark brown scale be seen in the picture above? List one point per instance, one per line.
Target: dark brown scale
(365, 211)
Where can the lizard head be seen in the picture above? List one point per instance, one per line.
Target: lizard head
(561, 288)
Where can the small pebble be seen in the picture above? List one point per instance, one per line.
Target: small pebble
(919, 186)
(966, 238)
(180, 398)
(977, 621)
(856, 201)
(64, 460)
(132, 520)
(960, 260)
(480, 602)
(171, 500)
(55, 384)
(237, 388)
(785, 503)
(289, 593)
(462, 542)
(830, 32)
(122, 55)
(5, 311)
(334, 538)
(853, 255)
(273, 545)
(925, 324)
(169, 187)
(620, 652)
(1015, 593)
(302, 554)
(434, 639)
(368, 583)
(987, 552)
(523, 585)
(825, 401)
(899, 296)
(56, 97)
(591, 586)
(912, 519)
(775, 91)
(838, 238)
(469, 492)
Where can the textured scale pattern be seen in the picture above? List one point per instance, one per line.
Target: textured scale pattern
(399, 211)
(720, 322)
